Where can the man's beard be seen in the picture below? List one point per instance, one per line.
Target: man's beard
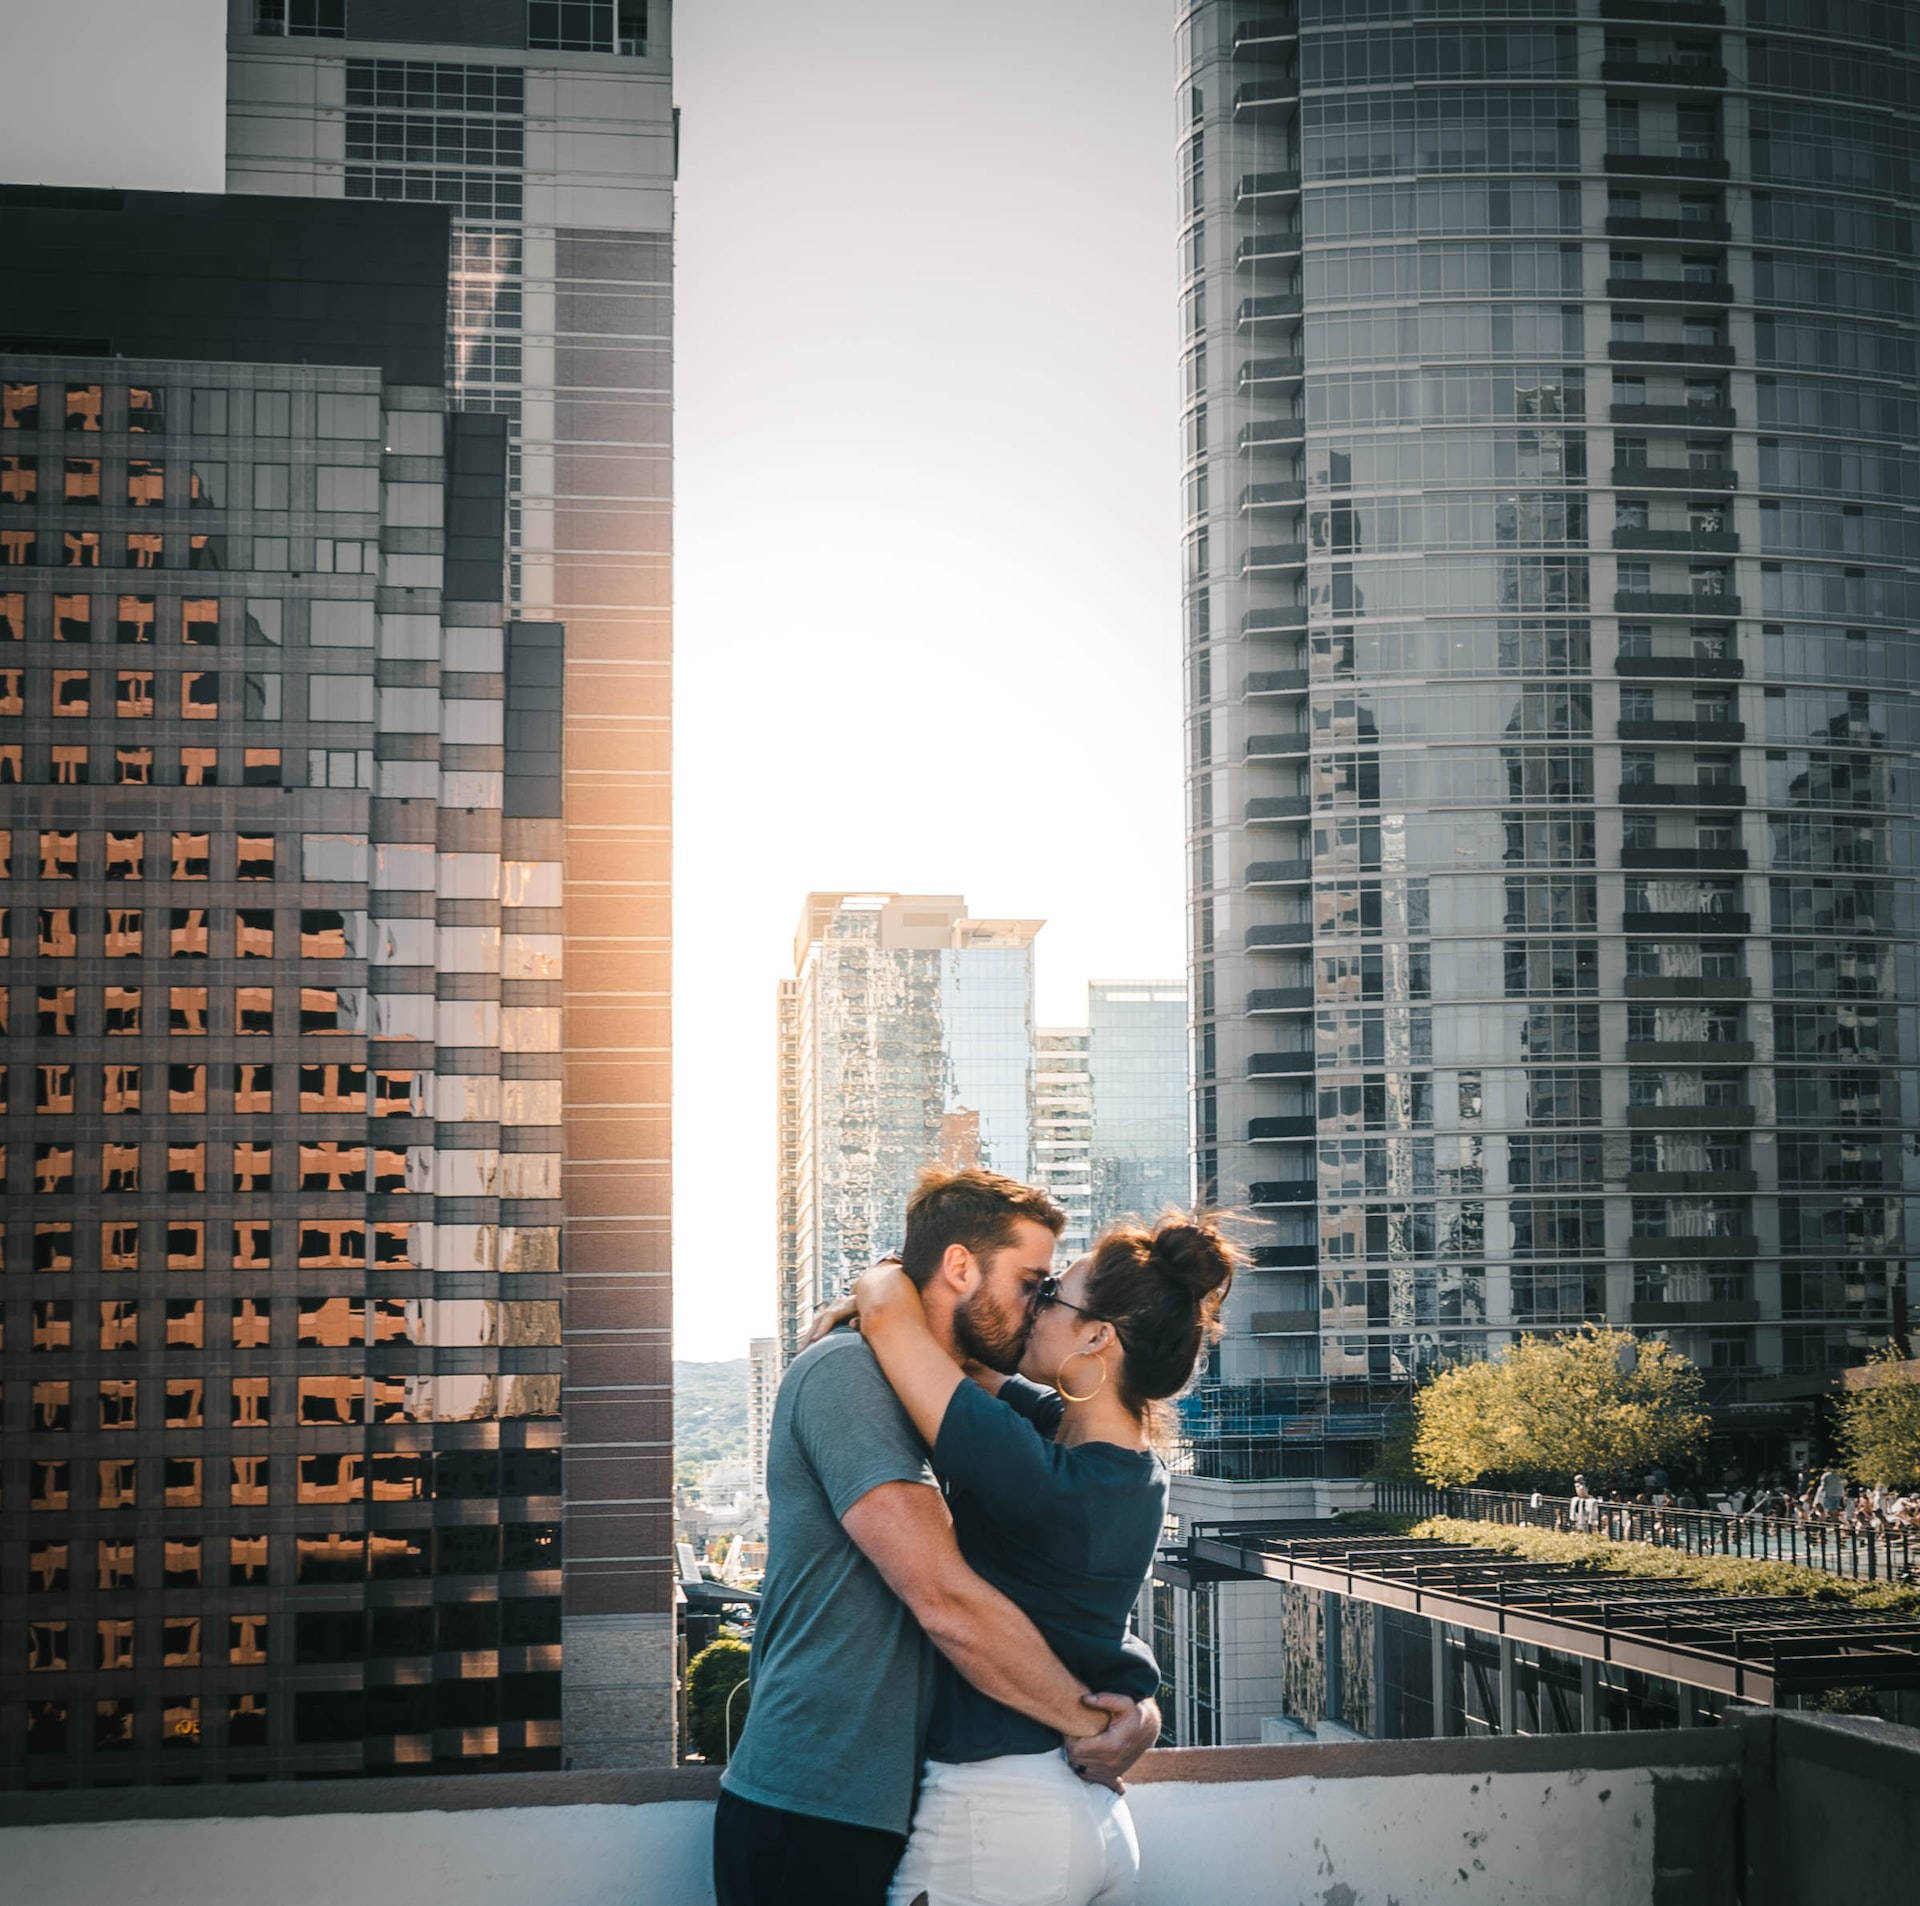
(981, 1336)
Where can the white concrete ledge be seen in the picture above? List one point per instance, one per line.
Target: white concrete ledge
(1571, 1820)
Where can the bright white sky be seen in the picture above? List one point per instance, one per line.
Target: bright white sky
(927, 616)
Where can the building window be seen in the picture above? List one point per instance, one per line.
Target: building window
(135, 621)
(588, 26)
(301, 19)
(449, 134)
(71, 694)
(1205, 1664)
(247, 1717)
(187, 933)
(1698, 132)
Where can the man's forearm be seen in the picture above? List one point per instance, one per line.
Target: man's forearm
(1004, 1655)
(904, 1530)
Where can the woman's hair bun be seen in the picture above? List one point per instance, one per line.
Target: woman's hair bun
(1195, 1252)
(1162, 1291)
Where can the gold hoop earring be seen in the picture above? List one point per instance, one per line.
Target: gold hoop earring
(1091, 1394)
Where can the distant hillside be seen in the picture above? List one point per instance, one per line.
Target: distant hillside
(710, 1412)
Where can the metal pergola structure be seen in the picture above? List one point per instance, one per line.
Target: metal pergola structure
(1757, 1648)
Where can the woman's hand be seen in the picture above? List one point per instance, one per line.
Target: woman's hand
(845, 1310)
(886, 1287)
(829, 1317)
(989, 1380)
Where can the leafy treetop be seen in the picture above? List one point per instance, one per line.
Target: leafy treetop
(1879, 1424)
(1592, 1400)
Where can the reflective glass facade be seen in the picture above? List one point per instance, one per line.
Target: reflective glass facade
(1137, 1061)
(280, 956)
(546, 127)
(986, 1016)
(906, 1038)
(1110, 1109)
(1551, 556)
(1063, 1130)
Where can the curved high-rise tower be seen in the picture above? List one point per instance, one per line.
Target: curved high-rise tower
(1552, 564)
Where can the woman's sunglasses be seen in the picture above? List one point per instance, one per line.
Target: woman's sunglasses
(1046, 1294)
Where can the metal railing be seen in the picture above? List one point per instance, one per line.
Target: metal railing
(1860, 1553)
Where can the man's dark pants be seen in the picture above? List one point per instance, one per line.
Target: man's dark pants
(765, 1857)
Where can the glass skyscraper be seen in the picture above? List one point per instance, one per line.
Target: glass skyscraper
(1550, 591)
(1110, 1109)
(280, 954)
(906, 1039)
(1063, 1130)
(547, 128)
(1137, 1064)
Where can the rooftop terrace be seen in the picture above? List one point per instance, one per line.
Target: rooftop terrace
(1760, 1648)
(1769, 1810)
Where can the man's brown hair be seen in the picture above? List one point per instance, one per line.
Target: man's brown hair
(978, 1209)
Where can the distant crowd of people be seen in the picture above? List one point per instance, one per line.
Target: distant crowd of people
(1824, 1498)
(1829, 1497)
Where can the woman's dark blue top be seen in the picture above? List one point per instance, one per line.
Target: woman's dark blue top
(1066, 1532)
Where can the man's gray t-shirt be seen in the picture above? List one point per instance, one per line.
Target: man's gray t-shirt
(842, 1675)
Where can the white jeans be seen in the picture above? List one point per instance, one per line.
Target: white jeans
(1022, 1830)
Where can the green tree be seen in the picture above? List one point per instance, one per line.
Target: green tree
(1594, 1400)
(1880, 1424)
(712, 1676)
(1393, 1462)
(1464, 1429)
(1847, 1700)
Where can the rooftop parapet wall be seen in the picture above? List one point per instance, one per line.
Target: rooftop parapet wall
(1753, 1814)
